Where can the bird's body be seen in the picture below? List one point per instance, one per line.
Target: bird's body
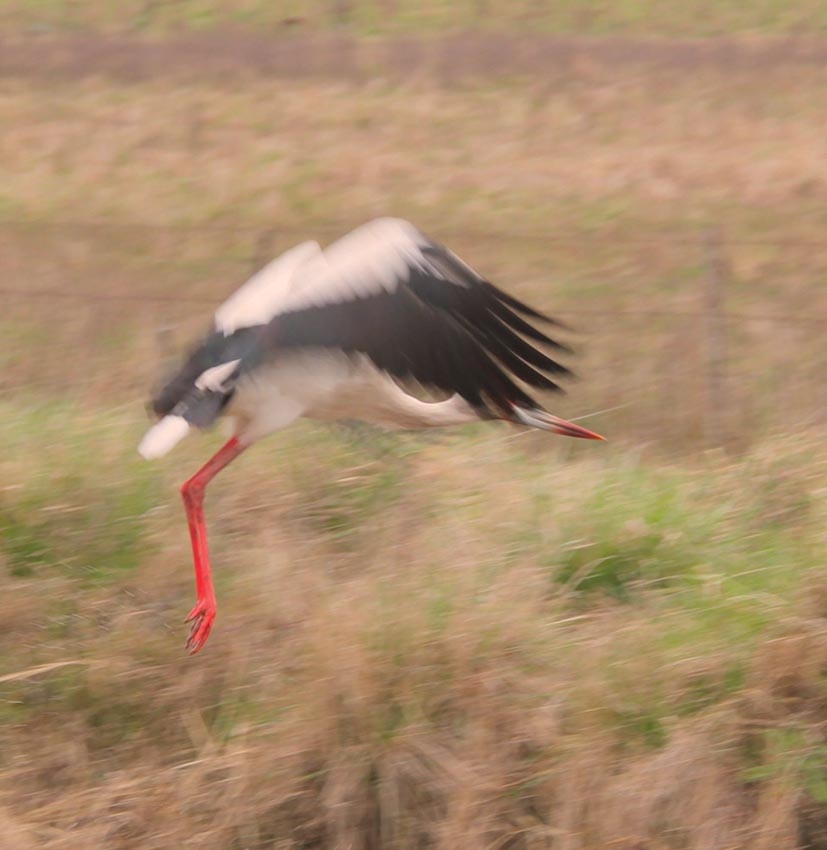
(331, 334)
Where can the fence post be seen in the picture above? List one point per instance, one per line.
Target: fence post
(195, 129)
(341, 13)
(715, 419)
(262, 250)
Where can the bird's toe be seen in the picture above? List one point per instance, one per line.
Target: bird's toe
(202, 617)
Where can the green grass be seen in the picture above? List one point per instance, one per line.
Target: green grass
(637, 17)
(65, 514)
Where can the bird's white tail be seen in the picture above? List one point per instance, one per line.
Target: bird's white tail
(163, 436)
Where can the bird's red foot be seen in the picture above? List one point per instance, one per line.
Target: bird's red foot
(201, 617)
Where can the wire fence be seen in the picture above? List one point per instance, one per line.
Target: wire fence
(115, 298)
(263, 232)
(674, 342)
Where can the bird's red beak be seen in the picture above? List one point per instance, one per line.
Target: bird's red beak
(539, 418)
(569, 429)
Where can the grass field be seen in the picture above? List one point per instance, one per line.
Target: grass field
(472, 639)
(592, 193)
(648, 17)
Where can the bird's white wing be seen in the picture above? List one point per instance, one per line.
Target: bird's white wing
(418, 312)
(261, 297)
(378, 256)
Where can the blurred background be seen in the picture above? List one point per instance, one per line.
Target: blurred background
(478, 638)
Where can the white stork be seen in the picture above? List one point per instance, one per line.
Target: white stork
(328, 333)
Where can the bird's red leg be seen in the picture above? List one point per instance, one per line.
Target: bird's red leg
(192, 490)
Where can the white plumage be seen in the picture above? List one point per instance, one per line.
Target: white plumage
(377, 256)
(258, 300)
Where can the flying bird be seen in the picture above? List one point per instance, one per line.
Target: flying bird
(336, 334)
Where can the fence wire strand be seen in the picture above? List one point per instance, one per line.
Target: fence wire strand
(334, 229)
(261, 235)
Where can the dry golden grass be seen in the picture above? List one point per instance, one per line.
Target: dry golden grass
(404, 657)
(588, 192)
(274, 152)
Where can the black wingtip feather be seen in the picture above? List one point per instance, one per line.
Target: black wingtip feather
(509, 318)
(522, 307)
